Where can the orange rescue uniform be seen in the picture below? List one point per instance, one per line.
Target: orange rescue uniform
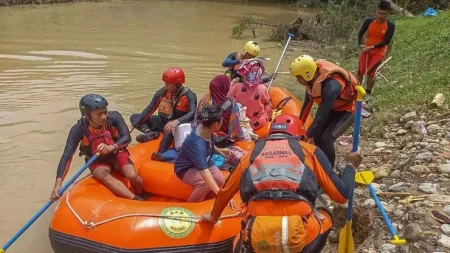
(279, 182)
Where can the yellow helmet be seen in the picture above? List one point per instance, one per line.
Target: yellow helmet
(252, 48)
(304, 66)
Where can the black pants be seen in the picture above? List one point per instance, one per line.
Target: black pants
(325, 137)
(156, 124)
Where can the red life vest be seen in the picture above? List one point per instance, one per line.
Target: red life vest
(91, 141)
(346, 100)
(277, 171)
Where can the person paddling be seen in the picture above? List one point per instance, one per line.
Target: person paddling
(100, 130)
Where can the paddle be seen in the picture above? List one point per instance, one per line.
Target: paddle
(346, 244)
(48, 204)
(290, 36)
(366, 177)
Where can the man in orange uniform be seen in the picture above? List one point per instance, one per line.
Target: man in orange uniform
(380, 31)
(333, 89)
(278, 184)
(176, 104)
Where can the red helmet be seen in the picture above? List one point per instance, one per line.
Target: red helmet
(173, 76)
(288, 124)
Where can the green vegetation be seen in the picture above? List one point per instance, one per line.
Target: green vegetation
(420, 63)
(418, 70)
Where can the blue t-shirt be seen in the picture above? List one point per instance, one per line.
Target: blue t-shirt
(195, 152)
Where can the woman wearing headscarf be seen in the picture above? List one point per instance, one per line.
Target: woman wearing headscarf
(253, 93)
(218, 90)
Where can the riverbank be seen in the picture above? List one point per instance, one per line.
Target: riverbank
(406, 143)
(417, 71)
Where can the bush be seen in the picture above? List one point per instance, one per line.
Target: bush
(339, 23)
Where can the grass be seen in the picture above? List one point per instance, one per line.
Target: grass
(418, 70)
(419, 67)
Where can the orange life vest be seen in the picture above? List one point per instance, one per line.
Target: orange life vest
(277, 172)
(167, 104)
(346, 100)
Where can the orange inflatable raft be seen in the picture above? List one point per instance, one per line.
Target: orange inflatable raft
(89, 218)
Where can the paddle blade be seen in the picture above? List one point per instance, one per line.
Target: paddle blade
(398, 241)
(364, 177)
(346, 244)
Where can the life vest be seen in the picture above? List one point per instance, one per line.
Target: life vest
(167, 105)
(278, 172)
(91, 140)
(346, 100)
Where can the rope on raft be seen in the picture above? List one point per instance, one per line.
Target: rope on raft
(91, 224)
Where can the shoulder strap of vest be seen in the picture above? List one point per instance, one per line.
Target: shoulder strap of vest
(296, 148)
(84, 128)
(259, 145)
(183, 91)
(180, 93)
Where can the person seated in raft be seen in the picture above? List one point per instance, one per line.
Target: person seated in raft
(100, 130)
(193, 164)
(231, 129)
(176, 105)
(278, 183)
(253, 93)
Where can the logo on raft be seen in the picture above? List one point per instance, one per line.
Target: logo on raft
(179, 227)
(263, 245)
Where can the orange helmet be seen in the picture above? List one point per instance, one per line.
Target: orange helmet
(288, 124)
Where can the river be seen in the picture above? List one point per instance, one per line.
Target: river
(51, 55)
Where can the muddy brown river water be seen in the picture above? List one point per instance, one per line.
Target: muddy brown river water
(51, 55)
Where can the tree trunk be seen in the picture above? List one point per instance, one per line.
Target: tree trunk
(400, 9)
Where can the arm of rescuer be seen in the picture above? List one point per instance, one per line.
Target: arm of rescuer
(192, 106)
(73, 140)
(338, 188)
(305, 104)
(124, 135)
(150, 109)
(230, 187)
(230, 61)
(330, 92)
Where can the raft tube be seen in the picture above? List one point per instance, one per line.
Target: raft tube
(91, 219)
